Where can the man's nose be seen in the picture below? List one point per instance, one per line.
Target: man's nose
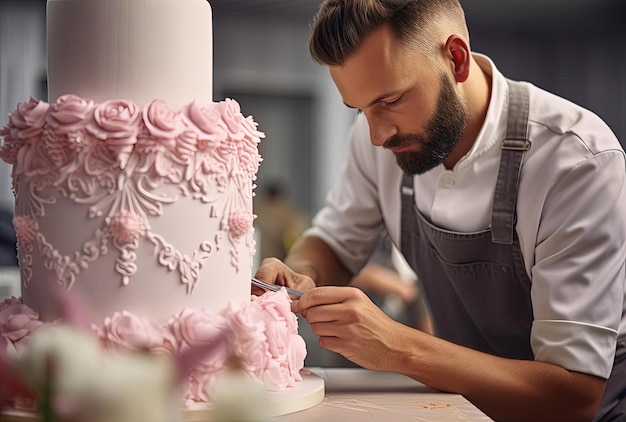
(380, 132)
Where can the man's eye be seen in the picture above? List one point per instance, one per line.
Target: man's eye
(394, 102)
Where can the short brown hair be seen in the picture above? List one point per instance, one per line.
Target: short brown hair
(339, 27)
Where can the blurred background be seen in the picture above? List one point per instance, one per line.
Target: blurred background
(574, 48)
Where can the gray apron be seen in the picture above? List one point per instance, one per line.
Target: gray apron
(476, 284)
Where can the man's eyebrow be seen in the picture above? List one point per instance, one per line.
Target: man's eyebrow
(377, 99)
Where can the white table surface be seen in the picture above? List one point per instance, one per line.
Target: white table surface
(359, 395)
(354, 394)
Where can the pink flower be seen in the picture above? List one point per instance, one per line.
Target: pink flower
(239, 223)
(25, 228)
(18, 321)
(10, 301)
(283, 373)
(117, 123)
(280, 322)
(29, 118)
(70, 113)
(243, 138)
(196, 326)
(161, 121)
(207, 118)
(287, 348)
(126, 227)
(128, 331)
(231, 114)
(250, 345)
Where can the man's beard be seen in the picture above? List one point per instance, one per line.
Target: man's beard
(442, 134)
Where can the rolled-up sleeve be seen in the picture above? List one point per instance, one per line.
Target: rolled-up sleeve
(578, 276)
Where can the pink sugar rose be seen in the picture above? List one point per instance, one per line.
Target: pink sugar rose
(126, 227)
(161, 121)
(250, 345)
(197, 326)
(128, 331)
(69, 113)
(287, 347)
(117, 123)
(231, 114)
(278, 338)
(10, 301)
(25, 228)
(116, 119)
(207, 118)
(240, 223)
(28, 119)
(276, 306)
(280, 322)
(18, 321)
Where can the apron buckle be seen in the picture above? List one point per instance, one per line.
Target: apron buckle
(516, 144)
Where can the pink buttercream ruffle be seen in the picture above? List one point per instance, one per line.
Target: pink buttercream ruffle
(193, 143)
(263, 339)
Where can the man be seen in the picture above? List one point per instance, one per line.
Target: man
(507, 201)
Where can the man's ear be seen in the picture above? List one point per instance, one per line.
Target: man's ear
(458, 52)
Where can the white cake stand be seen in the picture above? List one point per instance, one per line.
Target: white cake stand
(305, 394)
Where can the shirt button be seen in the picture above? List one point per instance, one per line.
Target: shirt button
(448, 182)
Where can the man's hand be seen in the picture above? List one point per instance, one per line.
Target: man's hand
(349, 323)
(274, 271)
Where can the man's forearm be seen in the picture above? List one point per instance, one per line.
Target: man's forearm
(505, 389)
(312, 257)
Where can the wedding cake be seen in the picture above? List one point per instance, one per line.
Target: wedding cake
(134, 195)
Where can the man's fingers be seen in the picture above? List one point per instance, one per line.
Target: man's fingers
(326, 295)
(269, 270)
(257, 291)
(324, 313)
(332, 344)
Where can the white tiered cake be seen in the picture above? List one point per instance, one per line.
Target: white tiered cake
(134, 193)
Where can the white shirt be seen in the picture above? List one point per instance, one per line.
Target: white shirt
(571, 217)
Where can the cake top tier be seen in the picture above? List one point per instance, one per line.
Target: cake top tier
(136, 50)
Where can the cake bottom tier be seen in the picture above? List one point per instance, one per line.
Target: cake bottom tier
(304, 395)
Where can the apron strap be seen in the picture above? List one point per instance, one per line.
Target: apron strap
(503, 214)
